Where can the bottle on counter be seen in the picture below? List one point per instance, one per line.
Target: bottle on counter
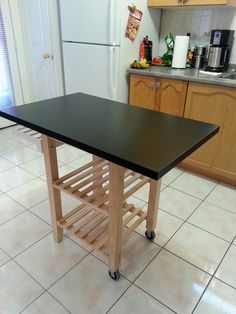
(141, 51)
(147, 49)
(189, 54)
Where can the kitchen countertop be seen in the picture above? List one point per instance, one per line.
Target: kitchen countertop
(187, 74)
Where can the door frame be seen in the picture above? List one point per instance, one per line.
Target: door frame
(22, 52)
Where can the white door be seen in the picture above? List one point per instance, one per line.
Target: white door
(39, 24)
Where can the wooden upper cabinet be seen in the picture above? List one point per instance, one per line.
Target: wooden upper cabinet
(142, 91)
(171, 96)
(175, 3)
(216, 105)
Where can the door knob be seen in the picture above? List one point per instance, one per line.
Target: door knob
(46, 56)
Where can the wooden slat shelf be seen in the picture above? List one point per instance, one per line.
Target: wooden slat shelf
(90, 184)
(33, 137)
(91, 226)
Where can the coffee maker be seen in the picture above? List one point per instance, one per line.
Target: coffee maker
(219, 51)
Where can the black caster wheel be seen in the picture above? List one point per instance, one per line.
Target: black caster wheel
(115, 275)
(150, 235)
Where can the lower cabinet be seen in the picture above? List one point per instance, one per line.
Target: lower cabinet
(217, 105)
(165, 95)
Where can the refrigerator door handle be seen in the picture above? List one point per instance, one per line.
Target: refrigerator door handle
(111, 70)
(113, 23)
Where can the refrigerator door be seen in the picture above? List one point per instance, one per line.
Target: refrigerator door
(90, 69)
(90, 21)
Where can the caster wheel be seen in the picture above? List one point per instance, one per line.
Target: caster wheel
(150, 235)
(115, 275)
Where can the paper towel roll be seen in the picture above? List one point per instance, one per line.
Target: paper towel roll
(180, 52)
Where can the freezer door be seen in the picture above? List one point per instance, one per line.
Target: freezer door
(90, 69)
(90, 21)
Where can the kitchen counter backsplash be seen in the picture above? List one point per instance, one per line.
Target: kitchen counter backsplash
(197, 22)
(192, 75)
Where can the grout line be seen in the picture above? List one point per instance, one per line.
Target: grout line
(118, 298)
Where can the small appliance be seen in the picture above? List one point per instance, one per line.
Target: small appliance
(199, 57)
(219, 51)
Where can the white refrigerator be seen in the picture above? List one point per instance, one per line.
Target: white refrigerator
(96, 53)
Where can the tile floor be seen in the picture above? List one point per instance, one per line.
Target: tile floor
(189, 268)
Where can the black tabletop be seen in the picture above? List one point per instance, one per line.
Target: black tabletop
(145, 141)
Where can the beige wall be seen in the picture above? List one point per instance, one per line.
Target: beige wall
(198, 22)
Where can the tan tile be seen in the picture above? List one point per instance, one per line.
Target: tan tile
(47, 261)
(14, 177)
(178, 203)
(9, 208)
(167, 225)
(45, 304)
(31, 193)
(227, 269)
(21, 232)
(135, 301)
(194, 245)
(223, 196)
(194, 185)
(17, 289)
(88, 288)
(173, 282)
(215, 220)
(219, 298)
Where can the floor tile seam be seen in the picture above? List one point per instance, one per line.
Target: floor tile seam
(25, 146)
(25, 162)
(31, 179)
(220, 207)
(213, 234)
(59, 302)
(8, 220)
(183, 171)
(21, 311)
(167, 306)
(32, 244)
(213, 276)
(68, 237)
(226, 283)
(29, 210)
(185, 193)
(67, 163)
(118, 297)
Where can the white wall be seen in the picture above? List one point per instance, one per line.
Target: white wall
(199, 22)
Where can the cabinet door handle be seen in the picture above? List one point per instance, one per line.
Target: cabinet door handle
(151, 84)
(180, 1)
(185, 1)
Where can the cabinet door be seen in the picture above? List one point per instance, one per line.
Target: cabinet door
(164, 3)
(171, 96)
(142, 91)
(216, 105)
(204, 2)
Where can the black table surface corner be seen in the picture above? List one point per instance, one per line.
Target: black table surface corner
(145, 141)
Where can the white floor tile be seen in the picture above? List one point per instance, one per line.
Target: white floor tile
(194, 185)
(42, 209)
(45, 304)
(89, 288)
(171, 175)
(135, 301)
(22, 155)
(79, 162)
(17, 289)
(227, 269)
(8, 145)
(9, 208)
(47, 261)
(167, 225)
(21, 232)
(215, 220)
(223, 196)
(31, 193)
(178, 203)
(63, 170)
(3, 258)
(5, 164)
(194, 245)
(136, 201)
(218, 299)
(68, 153)
(173, 282)
(14, 177)
(142, 194)
(137, 252)
(36, 166)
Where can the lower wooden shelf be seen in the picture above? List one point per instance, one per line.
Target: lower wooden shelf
(91, 226)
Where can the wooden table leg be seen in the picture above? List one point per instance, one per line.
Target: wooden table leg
(50, 159)
(153, 203)
(116, 190)
(97, 178)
